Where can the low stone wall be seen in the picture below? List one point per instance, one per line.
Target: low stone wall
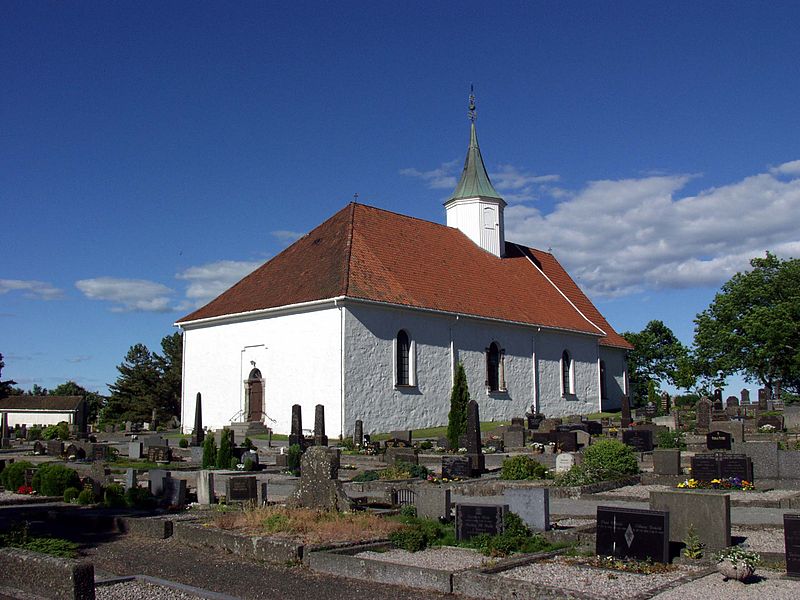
(260, 548)
(152, 527)
(47, 576)
(343, 562)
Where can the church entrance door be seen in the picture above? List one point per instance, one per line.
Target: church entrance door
(255, 385)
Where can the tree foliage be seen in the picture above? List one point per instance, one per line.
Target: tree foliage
(459, 398)
(147, 381)
(94, 400)
(753, 325)
(6, 387)
(657, 356)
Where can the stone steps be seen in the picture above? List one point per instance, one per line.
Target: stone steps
(245, 429)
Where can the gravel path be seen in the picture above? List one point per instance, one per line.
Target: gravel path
(446, 558)
(597, 583)
(761, 539)
(642, 492)
(770, 587)
(137, 590)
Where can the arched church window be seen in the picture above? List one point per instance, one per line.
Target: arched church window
(566, 374)
(603, 389)
(495, 368)
(403, 355)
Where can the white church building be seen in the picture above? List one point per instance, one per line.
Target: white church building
(369, 314)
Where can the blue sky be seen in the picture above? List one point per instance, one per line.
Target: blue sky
(153, 153)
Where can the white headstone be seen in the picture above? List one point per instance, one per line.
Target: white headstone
(564, 462)
(205, 487)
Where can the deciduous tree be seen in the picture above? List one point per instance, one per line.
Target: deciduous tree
(657, 356)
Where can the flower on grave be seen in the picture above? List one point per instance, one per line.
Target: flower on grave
(462, 450)
(25, 489)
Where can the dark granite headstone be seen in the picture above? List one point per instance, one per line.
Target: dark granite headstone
(566, 441)
(633, 533)
(744, 395)
(791, 540)
(496, 444)
(594, 427)
(403, 435)
(704, 467)
(626, 412)
(241, 489)
(763, 398)
(55, 447)
(99, 452)
(736, 465)
(639, 439)
(649, 410)
(474, 519)
(731, 401)
(704, 408)
(718, 400)
(174, 492)
(534, 420)
(517, 422)
(155, 480)
(474, 452)
(456, 466)
(718, 440)
(198, 435)
(665, 402)
(158, 454)
(358, 433)
(39, 448)
(74, 452)
(320, 439)
(296, 434)
(775, 421)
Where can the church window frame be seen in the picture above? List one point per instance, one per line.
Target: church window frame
(404, 359)
(567, 374)
(495, 369)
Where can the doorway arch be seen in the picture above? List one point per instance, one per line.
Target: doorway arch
(255, 396)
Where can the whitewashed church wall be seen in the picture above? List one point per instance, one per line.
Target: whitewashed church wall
(370, 393)
(38, 418)
(297, 354)
(614, 359)
(583, 350)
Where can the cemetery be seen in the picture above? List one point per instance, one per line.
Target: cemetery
(535, 507)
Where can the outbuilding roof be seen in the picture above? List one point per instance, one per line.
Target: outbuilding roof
(367, 253)
(40, 403)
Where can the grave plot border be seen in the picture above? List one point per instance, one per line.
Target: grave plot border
(37, 573)
(343, 562)
(260, 548)
(487, 584)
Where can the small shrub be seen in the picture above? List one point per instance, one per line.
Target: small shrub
(408, 510)
(52, 479)
(610, 459)
(693, 547)
(13, 476)
(184, 443)
(249, 465)
(366, 476)
(71, 494)
(225, 452)
(86, 497)
(276, 522)
(60, 431)
(34, 433)
(411, 539)
(577, 475)
(209, 452)
(248, 444)
(522, 467)
(139, 498)
(347, 443)
(426, 445)
(114, 495)
(293, 458)
(671, 439)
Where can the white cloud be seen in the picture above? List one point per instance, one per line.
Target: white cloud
(625, 236)
(30, 288)
(442, 177)
(210, 280)
(128, 294)
(286, 237)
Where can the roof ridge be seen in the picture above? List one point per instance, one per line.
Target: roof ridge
(349, 244)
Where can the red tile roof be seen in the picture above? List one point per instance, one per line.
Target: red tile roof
(373, 254)
(54, 403)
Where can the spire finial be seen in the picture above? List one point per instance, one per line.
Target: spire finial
(472, 115)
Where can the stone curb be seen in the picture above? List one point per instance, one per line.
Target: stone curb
(173, 585)
(58, 578)
(254, 547)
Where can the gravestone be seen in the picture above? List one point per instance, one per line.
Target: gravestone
(39, 448)
(704, 467)
(731, 402)
(594, 427)
(534, 420)
(432, 502)
(582, 438)
(320, 439)
(198, 435)
(739, 466)
(763, 398)
(566, 441)
(791, 540)
(626, 412)
(456, 467)
(73, 452)
(633, 533)
(476, 519)
(319, 485)
(564, 462)
(514, 437)
(358, 433)
(296, 435)
(205, 487)
(734, 428)
(55, 447)
(262, 493)
(704, 408)
(159, 454)
(153, 440)
(744, 395)
(402, 436)
(99, 452)
(667, 461)
(718, 440)
(241, 489)
(664, 402)
(406, 455)
(128, 426)
(639, 439)
(474, 452)
(649, 410)
(532, 505)
(775, 421)
(155, 478)
(250, 455)
(718, 399)
(131, 479)
(708, 512)
(497, 445)
(135, 450)
(548, 425)
(174, 492)
(443, 442)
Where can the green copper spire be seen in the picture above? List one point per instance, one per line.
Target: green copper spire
(474, 179)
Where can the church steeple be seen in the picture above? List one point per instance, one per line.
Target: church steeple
(475, 207)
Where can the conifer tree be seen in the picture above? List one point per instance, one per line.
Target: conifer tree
(209, 452)
(225, 449)
(459, 397)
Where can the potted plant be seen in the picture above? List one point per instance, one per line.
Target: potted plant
(737, 563)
